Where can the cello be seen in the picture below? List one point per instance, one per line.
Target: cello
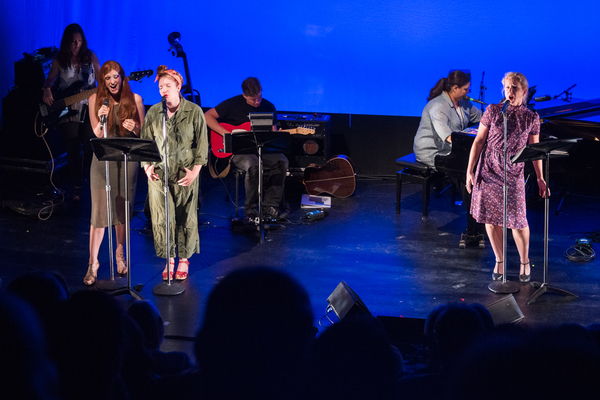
(177, 51)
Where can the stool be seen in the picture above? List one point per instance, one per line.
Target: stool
(414, 172)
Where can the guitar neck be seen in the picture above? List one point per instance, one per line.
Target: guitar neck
(60, 104)
(76, 98)
(299, 131)
(79, 97)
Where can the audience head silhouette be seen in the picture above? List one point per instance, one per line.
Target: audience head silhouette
(254, 337)
(27, 372)
(354, 359)
(146, 315)
(87, 341)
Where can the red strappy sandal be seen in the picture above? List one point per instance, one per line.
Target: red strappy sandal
(172, 265)
(182, 275)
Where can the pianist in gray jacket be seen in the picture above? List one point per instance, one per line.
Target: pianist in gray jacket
(447, 111)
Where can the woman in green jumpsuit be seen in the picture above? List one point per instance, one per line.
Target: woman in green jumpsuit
(187, 148)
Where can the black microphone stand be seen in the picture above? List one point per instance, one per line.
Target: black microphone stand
(567, 93)
(482, 90)
(504, 286)
(168, 287)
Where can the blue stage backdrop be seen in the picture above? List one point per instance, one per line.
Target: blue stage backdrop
(352, 56)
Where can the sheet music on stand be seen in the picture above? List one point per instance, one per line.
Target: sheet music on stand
(261, 122)
(554, 148)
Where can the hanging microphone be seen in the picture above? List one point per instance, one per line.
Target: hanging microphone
(542, 98)
(475, 101)
(164, 104)
(505, 106)
(103, 117)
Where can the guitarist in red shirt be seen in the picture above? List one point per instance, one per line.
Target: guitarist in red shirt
(234, 112)
(75, 66)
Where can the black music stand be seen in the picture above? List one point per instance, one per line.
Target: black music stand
(538, 151)
(258, 142)
(126, 150)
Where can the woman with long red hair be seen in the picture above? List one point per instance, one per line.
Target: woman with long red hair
(124, 118)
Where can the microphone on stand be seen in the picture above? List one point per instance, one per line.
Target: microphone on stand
(475, 101)
(103, 117)
(505, 106)
(164, 104)
(542, 98)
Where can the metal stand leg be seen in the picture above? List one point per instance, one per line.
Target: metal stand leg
(261, 227)
(168, 287)
(128, 289)
(504, 286)
(260, 224)
(112, 283)
(543, 287)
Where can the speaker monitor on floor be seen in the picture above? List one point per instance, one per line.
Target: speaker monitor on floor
(505, 311)
(346, 303)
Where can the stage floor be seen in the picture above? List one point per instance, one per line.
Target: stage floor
(401, 265)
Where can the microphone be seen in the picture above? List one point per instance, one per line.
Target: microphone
(542, 98)
(505, 106)
(164, 104)
(103, 117)
(475, 101)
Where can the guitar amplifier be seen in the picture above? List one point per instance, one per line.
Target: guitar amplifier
(32, 69)
(307, 149)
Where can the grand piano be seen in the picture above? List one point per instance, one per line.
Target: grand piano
(559, 119)
(454, 165)
(578, 174)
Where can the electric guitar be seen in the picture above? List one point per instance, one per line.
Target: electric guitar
(216, 139)
(73, 94)
(219, 162)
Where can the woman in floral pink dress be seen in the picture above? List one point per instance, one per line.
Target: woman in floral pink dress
(488, 181)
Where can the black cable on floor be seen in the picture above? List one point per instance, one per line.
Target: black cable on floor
(582, 251)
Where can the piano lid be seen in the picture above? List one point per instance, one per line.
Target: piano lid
(566, 109)
(577, 118)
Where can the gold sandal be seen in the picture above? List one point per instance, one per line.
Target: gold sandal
(121, 264)
(91, 274)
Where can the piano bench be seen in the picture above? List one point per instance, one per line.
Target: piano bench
(414, 172)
